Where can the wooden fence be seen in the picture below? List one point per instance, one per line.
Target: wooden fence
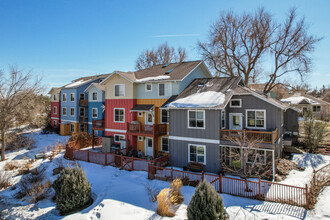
(321, 178)
(262, 190)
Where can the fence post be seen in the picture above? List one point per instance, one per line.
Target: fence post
(87, 155)
(171, 173)
(121, 161)
(259, 188)
(105, 158)
(132, 163)
(148, 170)
(306, 189)
(220, 183)
(202, 176)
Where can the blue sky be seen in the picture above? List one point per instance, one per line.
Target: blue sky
(65, 39)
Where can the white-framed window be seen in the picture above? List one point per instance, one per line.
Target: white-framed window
(64, 97)
(148, 87)
(64, 111)
(55, 123)
(82, 127)
(197, 153)
(140, 114)
(55, 110)
(81, 111)
(94, 113)
(140, 138)
(72, 97)
(256, 156)
(119, 137)
(236, 103)
(120, 90)
(164, 89)
(316, 108)
(119, 115)
(196, 119)
(71, 111)
(165, 116)
(82, 96)
(223, 118)
(94, 96)
(256, 119)
(72, 128)
(165, 144)
(54, 97)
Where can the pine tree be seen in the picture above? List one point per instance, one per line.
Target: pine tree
(72, 190)
(205, 204)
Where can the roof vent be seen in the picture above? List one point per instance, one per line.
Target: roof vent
(165, 65)
(168, 71)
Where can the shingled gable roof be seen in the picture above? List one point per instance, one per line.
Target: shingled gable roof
(83, 80)
(97, 85)
(224, 86)
(54, 90)
(168, 72)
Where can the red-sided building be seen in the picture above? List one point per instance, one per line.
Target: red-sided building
(55, 117)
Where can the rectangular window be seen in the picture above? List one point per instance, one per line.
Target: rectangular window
(316, 108)
(256, 156)
(165, 144)
(140, 138)
(82, 127)
(55, 123)
(165, 116)
(54, 97)
(72, 111)
(236, 103)
(64, 111)
(64, 97)
(148, 87)
(94, 113)
(120, 90)
(82, 96)
(94, 96)
(140, 114)
(72, 97)
(256, 118)
(118, 137)
(196, 119)
(82, 112)
(223, 119)
(72, 128)
(55, 110)
(119, 115)
(197, 153)
(164, 89)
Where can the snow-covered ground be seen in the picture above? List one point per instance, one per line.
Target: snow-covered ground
(120, 194)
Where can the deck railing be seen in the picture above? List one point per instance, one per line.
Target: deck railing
(83, 102)
(263, 136)
(98, 124)
(143, 129)
(83, 119)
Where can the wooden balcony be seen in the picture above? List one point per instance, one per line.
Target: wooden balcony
(83, 102)
(98, 125)
(146, 130)
(83, 119)
(269, 137)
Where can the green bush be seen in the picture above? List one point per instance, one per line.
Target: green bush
(72, 190)
(205, 204)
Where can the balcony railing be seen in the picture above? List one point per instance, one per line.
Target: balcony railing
(83, 119)
(83, 102)
(263, 136)
(147, 130)
(98, 125)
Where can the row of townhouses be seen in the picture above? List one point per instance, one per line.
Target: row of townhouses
(179, 109)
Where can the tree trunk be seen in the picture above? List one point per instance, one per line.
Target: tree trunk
(3, 144)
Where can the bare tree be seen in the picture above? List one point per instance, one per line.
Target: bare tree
(17, 93)
(162, 55)
(239, 44)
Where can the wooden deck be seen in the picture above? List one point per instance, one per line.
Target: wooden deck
(146, 130)
(98, 125)
(269, 137)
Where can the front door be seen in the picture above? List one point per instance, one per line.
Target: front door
(235, 121)
(149, 118)
(149, 146)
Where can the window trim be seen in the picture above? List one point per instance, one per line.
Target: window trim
(118, 135)
(66, 111)
(55, 123)
(74, 98)
(203, 119)
(114, 91)
(97, 113)
(114, 115)
(168, 144)
(55, 112)
(240, 103)
(64, 94)
(145, 87)
(161, 116)
(80, 127)
(80, 111)
(170, 93)
(223, 111)
(73, 127)
(80, 95)
(140, 138)
(54, 97)
(93, 96)
(262, 163)
(316, 108)
(246, 118)
(197, 145)
(74, 112)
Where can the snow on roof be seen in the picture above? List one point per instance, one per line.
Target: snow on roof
(153, 78)
(199, 100)
(297, 99)
(77, 83)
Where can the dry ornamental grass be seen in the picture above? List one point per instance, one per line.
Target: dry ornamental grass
(176, 196)
(164, 204)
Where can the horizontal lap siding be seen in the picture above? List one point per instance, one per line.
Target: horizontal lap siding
(179, 155)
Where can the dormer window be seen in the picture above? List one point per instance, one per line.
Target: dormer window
(236, 103)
